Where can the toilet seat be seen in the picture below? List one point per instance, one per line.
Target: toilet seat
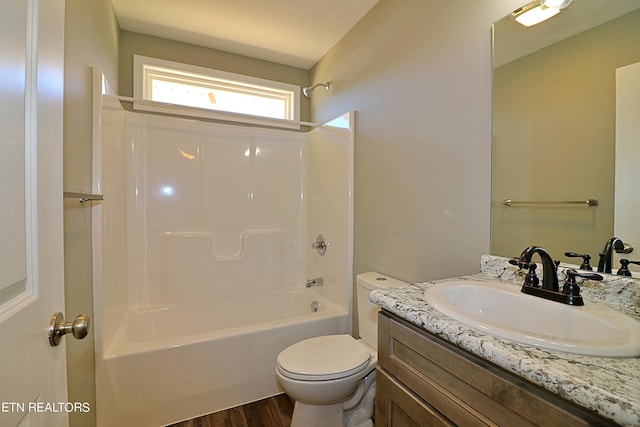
(324, 358)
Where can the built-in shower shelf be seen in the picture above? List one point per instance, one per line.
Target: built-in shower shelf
(211, 235)
(222, 247)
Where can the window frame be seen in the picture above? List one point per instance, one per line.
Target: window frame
(145, 68)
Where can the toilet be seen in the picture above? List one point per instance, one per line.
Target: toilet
(331, 378)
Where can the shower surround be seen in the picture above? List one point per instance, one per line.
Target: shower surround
(202, 249)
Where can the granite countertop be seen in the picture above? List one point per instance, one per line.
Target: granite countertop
(609, 386)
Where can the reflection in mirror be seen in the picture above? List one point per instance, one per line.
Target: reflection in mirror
(554, 130)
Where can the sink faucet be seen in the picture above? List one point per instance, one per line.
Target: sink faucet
(549, 267)
(550, 289)
(613, 244)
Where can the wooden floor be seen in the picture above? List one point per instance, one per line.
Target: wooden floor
(272, 412)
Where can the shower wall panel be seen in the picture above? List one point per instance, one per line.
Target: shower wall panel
(198, 211)
(110, 287)
(221, 209)
(329, 207)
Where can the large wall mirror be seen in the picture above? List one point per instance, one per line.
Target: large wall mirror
(566, 128)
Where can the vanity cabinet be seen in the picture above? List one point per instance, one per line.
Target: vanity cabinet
(423, 380)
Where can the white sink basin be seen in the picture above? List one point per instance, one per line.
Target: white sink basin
(502, 310)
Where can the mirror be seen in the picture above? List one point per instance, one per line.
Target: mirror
(555, 130)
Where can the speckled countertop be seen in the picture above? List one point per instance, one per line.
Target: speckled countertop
(608, 386)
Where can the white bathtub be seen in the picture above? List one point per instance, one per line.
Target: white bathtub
(168, 364)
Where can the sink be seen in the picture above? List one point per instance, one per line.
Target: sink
(502, 310)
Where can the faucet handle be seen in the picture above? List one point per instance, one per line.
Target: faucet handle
(519, 263)
(585, 260)
(619, 247)
(531, 278)
(320, 244)
(626, 249)
(571, 287)
(624, 267)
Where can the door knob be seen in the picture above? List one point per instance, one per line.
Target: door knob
(58, 327)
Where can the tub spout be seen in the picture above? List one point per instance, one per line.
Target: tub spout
(316, 281)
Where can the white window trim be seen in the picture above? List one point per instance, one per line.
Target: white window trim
(144, 66)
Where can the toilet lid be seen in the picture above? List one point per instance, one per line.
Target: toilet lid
(324, 358)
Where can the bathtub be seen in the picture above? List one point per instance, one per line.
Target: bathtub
(172, 363)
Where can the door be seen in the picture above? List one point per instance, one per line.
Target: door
(32, 373)
(627, 202)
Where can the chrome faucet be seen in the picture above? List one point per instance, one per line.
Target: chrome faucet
(549, 266)
(606, 256)
(320, 245)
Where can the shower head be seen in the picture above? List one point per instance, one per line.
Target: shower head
(307, 90)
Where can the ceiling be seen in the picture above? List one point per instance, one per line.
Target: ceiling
(292, 32)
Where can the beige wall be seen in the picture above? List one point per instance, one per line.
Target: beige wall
(418, 73)
(141, 44)
(554, 139)
(91, 40)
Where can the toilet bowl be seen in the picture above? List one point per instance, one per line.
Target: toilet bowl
(331, 378)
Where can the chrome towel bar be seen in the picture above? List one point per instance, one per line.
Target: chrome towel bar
(588, 202)
(83, 197)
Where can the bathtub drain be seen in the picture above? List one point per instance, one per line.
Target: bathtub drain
(315, 305)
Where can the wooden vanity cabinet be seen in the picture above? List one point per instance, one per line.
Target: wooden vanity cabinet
(423, 380)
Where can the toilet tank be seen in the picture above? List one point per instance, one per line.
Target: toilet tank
(368, 311)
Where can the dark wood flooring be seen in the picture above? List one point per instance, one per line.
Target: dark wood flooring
(271, 412)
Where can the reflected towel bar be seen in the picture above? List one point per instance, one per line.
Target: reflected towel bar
(588, 202)
(83, 197)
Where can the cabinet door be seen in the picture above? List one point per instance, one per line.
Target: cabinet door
(465, 389)
(398, 407)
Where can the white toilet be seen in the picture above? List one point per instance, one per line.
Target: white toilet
(332, 377)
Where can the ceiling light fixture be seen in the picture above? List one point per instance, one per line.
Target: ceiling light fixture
(557, 4)
(537, 11)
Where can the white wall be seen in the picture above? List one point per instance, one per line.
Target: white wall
(627, 159)
(418, 74)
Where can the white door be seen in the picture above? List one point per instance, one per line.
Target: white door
(627, 202)
(32, 373)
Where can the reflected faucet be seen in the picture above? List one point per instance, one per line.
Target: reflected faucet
(549, 267)
(606, 256)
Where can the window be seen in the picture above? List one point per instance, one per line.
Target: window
(225, 95)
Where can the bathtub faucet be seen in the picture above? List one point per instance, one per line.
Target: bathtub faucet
(316, 281)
